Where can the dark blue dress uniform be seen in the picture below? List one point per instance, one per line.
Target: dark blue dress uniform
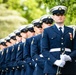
(22, 62)
(36, 55)
(13, 54)
(8, 59)
(2, 61)
(17, 70)
(13, 59)
(27, 57)
(19, 59)
(36, 45)
(51, 39)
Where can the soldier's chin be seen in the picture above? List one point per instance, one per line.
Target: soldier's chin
(59, 22)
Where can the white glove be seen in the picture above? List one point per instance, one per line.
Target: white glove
(59, 63)
(65, 57)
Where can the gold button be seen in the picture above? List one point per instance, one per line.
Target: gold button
(13, 68)
(36, 59)
(17, 66)
(6, 68)
(62, 38)
(30, 63)
(61, 43)
(22, 65)
(48, 58)
(2, 70)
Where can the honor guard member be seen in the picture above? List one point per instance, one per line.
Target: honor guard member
(18, 41)
(23, 32)
(58, 44)
(2, 59)
(37, 26)
(8, 55)
(26, 52)
(12, 38)
(13, 53)
(30, 31)
(8, 43)
(21, 62)
(18, 36)
(46, 21)
(38, 29)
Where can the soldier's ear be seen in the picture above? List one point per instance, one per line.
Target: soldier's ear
(53, 17)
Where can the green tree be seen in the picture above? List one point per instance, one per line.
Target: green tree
(71, 5)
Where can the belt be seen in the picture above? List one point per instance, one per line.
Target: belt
(41, 55)
(59, 49)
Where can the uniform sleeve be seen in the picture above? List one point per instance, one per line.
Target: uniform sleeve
(73, 53)
(34, 48)
(26, 49)
(45, 47)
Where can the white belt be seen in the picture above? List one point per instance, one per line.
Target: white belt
(59, 49)
(41, 55)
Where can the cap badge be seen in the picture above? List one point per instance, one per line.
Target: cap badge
(59, 8)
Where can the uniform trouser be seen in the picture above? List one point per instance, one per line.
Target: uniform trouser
(17, 72)
(29, 70)
(23, 72)
(7, 73)
(12, 72)
(38, 71)
(2, 73)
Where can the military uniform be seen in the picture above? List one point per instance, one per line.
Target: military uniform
(55, 44)
(8, 59)
(27, 57)
(12, 69)
(45, 21)
(17, 59)
(36, 55)
(54, 41)
(2, 62)
(3, 55)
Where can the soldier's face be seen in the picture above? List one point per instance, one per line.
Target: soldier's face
(44, 25)
(24, 35)
(30, 34)
(37, 30)
(12, 41)
(2, 47)
(19, 39)
(8, 44)
(59, 18)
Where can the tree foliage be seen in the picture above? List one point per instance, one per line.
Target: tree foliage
(16, 12)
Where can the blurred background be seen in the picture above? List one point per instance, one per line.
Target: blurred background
(14, 13)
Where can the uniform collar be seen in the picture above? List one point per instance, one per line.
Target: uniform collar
(59, 27)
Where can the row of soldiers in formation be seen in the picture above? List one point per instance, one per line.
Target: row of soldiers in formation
(21, 52)
(18, 54)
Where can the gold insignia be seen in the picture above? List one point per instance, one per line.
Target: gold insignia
(59, 8)
(13, 49)
(7, 50)
(40, 21)
(71, 37)
(49, 17)
(19, 47)
(24, 43)
(42, 34)
(32, 41)
(2, 53)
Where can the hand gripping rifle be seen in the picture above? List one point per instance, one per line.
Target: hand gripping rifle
(59, 68)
